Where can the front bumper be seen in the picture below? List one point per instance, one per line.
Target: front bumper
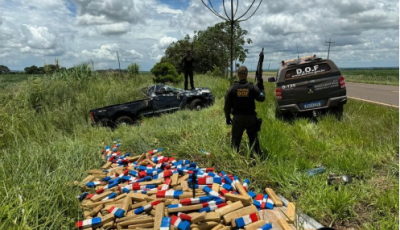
(209, 100)
(331, 102)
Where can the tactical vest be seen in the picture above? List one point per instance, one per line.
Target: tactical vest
(243, 99)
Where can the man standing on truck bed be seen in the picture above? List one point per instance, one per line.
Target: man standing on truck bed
(187, 66)
(239, 100)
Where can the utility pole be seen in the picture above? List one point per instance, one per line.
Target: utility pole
(329, 48)
(232, 19)
(119, 64)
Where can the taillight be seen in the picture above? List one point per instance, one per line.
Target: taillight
(342, 82)
(278, 93)
(92, 116)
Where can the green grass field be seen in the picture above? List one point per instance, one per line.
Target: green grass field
(47, 142)
(265, 73)
(7, 79)
(375, 76)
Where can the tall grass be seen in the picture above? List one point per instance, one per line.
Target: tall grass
(47, 142)
(375, 76)
(10, 79)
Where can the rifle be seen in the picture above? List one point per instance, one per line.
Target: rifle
(259, 79)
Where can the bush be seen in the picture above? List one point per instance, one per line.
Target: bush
(4, 69)
(215, 73)
(133, 69)
(34, 70)
(165, 72)
(50, 68)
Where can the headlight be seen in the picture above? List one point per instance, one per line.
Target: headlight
(206, 91)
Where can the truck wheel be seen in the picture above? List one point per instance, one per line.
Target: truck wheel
(339, 112)
(196, 104)
(124, 120)
(283, 116)
(278, 114)
(106, 122)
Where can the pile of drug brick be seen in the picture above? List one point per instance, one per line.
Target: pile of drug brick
(151, 191)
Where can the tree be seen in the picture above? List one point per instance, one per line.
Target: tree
(50, 68)
(4, 69)
(165, 72)
(176, 51)
(133, 69)
(32, 70)
(211, 48)
(215, 73)
(232, 20)
(41, 70)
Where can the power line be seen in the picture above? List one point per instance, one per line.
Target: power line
(232, 19)
(329, 48)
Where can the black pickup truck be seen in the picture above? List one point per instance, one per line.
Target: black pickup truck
(309, 84)
(159, 99)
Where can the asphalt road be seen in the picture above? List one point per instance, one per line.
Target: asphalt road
(387, 95)
(379, 94)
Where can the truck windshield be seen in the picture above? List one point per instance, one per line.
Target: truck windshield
(166, 88)
(307, 70)
(170, 88)
(151, 90)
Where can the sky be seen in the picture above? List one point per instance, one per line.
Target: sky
(36, 32)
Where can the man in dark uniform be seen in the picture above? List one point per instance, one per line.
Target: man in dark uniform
(239, 100)
(187, 66)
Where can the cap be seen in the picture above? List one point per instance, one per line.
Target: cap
(242, 70)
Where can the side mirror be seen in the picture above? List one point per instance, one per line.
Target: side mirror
(271, 79)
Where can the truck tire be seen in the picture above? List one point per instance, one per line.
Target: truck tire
(124, 120)
(106, 122)
(283, 116)
(339, 112)
(196, 104)
(278, 114)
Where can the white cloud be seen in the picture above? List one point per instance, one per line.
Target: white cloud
(166, 41)
(37, 31)
(43, 4)
(282, 24)
(43, 52)
(165, 9)
(39, 37)
(40, 41)
(115, 28)
(157, 50)
(88, 20)
(112, 16)
(108, 52)
(286, 27)
(196, 17)
(105, 52)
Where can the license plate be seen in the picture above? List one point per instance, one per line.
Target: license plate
(313, 104)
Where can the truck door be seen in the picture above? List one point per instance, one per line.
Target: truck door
(166, 100)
